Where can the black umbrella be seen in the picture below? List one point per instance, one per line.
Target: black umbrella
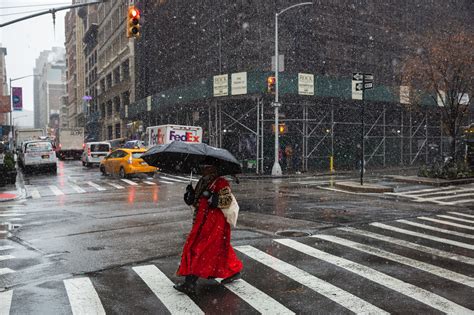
(182, 157)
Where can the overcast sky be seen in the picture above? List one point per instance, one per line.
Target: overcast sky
(25, 40)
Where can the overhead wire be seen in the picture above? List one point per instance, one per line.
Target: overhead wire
(34, 5)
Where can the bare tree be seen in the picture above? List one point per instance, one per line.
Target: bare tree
(442, 66)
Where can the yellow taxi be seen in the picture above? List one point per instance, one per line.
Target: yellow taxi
(126, 162)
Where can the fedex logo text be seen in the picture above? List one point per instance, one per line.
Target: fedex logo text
(186, 137)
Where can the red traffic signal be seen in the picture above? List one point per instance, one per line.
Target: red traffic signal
(271, 82)
(133, 22)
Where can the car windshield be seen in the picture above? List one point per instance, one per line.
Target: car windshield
(137, 155)
(39, 147)
(100, 148)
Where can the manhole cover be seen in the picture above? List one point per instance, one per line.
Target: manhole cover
(293, 233)
(96, 248)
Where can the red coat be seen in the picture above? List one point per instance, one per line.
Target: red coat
(207, 251)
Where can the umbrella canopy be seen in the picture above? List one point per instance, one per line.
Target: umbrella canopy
(182, 157)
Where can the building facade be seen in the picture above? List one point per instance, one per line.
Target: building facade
(184, 45)
(115, 69)
(49, 88)
(3, 85)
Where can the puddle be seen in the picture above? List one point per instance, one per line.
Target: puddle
(292, 233)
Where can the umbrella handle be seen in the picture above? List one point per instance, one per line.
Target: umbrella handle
(191, 179)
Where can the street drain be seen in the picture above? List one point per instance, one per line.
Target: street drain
(293, 233)
(96, 248)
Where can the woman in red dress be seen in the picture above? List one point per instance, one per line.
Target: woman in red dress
(207, 252)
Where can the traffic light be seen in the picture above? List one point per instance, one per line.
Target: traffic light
(271, 81)
(133, 22)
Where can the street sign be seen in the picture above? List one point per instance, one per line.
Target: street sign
(368, 86)
(356, 92)
(221, 85)
(369, 77)
(276, 104)
(357, 76)
(239, 83)
(305, 84)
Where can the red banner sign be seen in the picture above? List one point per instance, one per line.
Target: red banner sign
(17, 98)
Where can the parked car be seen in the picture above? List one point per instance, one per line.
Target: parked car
(94, 153)
(38, 154)
(125, 163)
(134, 144)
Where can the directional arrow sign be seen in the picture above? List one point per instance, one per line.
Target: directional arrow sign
(359, 86)
(357, 76)
(369, 77)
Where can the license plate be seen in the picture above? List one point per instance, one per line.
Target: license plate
(45, 156)
(94, 155)
(143, 163)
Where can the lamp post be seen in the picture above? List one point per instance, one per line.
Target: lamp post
(276, 170)
(11, 104)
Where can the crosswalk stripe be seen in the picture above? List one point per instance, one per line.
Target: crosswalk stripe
(346, 299)
(115, 185)
(77, 188)
(5, 302)
(458, 202)
(83, 297)
(129, 182)
(462, 214)
(419, 294)
(455, 219)
(435, 270)
(467, 194)
(187, 179)
(415, 246)
(174, 179)
(312, 182)
(6, 247)
(3, 232)
(6, 257)
(34, 193)
(436, 229)
(4, 271)
(94, 185)
(149, 183)
(162, 287)
(11, 215)
(56, 190)
(447, 223)
(426, 236)
(430, 190)
(165, 182)
(256, 298)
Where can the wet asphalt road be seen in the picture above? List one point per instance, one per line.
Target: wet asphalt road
(82, 242)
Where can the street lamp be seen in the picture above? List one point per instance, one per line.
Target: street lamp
(11, 104)
(276, 170)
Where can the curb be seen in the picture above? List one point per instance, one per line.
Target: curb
(368, 188)
(437, 182)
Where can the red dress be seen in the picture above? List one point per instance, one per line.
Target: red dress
(207, 252)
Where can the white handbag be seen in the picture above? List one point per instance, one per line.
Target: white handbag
(232, 212)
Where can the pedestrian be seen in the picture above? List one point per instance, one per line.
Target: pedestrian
(207, 252)
(289, 157)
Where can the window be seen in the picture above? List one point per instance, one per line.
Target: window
(110, 132)
(109, 108)
(109, 81)
(126, 70)
(117, 75)
(39, 147)
(117, 131)
(100, 147)
(117, 104)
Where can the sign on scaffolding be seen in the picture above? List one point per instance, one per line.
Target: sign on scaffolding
(239, 83)
(305, 84)
(221, 85)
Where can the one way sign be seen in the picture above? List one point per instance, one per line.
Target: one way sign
(360, 82)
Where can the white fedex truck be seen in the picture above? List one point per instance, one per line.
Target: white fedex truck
(168, 133)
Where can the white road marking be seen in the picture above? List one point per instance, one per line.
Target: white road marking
(6, 257)
(5, 302)
(455, 219)
(11, 215)
(457, 202)
(432, 228)
(94, 185)
(115, 185)
(345, 299)
(34, 193)
(417, 192)
(7, 247)
(174, 179)
(56, 191)
(187, 179)
(467, 194)
(415, 246)
(149, 183)
(260, 301)
(435, 270)
(447, 223)
(313, 182)
(129, 182)
(165, 182)
(462, 214)
(429, 237)
(419, 294)
(83, 297)
(162, 287)
(77, 188)
(4, 271)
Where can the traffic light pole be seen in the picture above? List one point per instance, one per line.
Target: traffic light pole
(51, 11)
(362, 162)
